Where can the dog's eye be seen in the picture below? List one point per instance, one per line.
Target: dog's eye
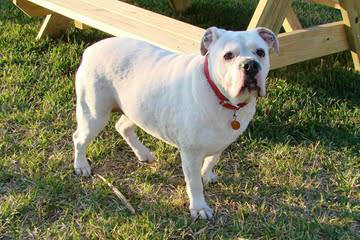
(260, 52)
(229, 56)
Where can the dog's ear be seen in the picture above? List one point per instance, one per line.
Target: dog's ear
(210, 36)
(270, 38)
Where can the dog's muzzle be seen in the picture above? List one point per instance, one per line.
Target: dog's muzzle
(251, 69)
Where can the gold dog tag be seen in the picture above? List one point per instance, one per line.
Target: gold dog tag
(235, 124)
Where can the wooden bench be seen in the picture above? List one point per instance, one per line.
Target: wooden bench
(122, 19)
(304, 44)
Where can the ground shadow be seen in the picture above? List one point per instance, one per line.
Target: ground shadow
(324, 86)
(331, 76)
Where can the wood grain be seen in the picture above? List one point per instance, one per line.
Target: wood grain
(120, 24)
(53, 26)
(291, 22)
(30, 9)
(350, 11)
(306, 44)
(270, 14)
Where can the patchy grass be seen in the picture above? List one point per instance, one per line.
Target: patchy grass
(294, 174)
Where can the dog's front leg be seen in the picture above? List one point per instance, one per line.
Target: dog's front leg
(191, 164)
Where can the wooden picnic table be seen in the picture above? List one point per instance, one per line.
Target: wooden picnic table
(119, 18)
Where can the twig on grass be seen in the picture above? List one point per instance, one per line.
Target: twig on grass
(118, 194)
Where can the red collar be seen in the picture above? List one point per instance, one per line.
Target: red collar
(223, 100)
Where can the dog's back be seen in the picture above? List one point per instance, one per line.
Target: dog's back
(147, 83)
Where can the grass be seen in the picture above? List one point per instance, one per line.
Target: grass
(294, 174)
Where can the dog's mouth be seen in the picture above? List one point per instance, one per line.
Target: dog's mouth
(251, 85)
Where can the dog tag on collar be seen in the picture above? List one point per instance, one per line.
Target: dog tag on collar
(235, 124)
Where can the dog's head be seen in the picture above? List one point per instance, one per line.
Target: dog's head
(239, 61)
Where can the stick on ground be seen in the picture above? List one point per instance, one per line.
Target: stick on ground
(118, 194)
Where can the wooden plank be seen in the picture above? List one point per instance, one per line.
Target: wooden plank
(350, 11)
(329, 3)
(150, 18)
(31, 9)
(310, 43)
(53, 26)
(118, 25)
(291, 22)
(180, 5)
(270, 14)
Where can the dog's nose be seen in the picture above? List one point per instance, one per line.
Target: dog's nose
(251, 67)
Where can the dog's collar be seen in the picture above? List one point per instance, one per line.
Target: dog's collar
(223, 100)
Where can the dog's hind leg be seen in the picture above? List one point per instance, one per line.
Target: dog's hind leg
(207, 173)
(126, 128)
(89, 125)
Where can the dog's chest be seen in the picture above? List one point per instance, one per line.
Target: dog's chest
(218, 134)
(210, 131)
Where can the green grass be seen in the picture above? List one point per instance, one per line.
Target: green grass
(294, 174)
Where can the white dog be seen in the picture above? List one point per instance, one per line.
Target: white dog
(198, 103)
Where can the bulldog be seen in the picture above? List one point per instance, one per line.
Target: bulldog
(199, 103)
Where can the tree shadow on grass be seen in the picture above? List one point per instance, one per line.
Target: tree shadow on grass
(331, 77)
(204, 14)
(311, 102)
(221, 14)
(294, 211)
(306, 132)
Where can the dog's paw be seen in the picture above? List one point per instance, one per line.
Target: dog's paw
(205, 212)
(209, 178)
(145, 156)
(82, 169)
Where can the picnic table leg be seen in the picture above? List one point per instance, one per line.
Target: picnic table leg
(180, 5)
(270, 14)
(54, 25)
(350, 10)
(80, 25)
(291, 22)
